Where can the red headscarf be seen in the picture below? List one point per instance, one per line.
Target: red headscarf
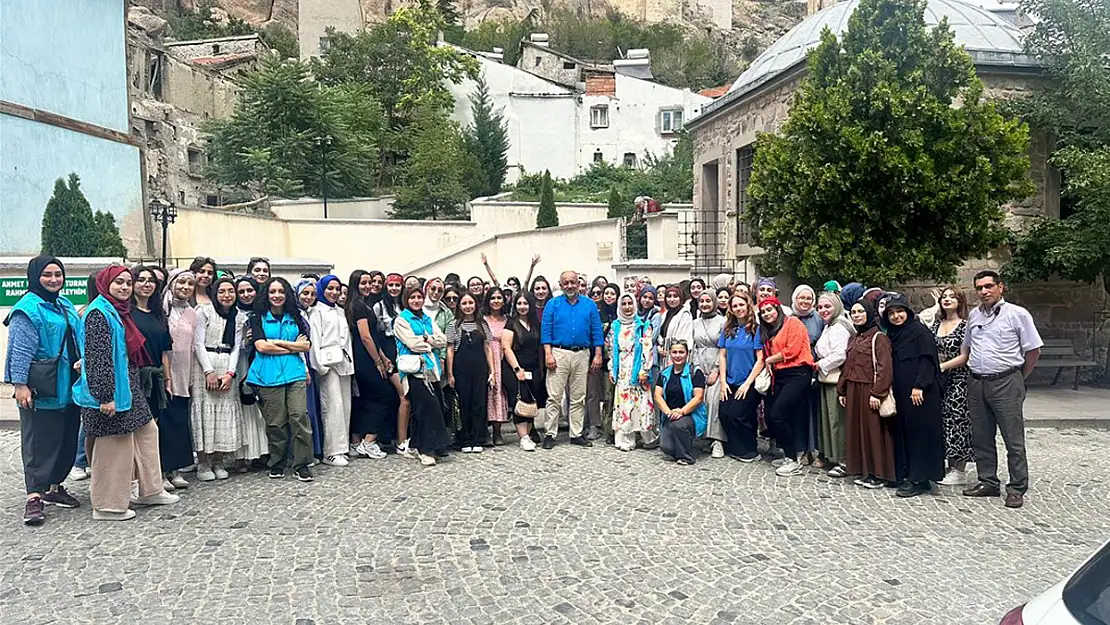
(395, 277)
(134, 338)
(769, 300)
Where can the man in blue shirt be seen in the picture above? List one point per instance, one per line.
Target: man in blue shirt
(570, 332)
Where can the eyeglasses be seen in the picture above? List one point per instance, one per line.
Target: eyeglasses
(595, 294)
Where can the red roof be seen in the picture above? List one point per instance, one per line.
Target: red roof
(715, 92)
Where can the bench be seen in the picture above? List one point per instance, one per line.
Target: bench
(1060, 354)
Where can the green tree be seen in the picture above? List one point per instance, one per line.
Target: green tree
(547, 216)
(891, 166)
(616, 204)
(109, 242)
(68, 225)
(431, 182)
(487, 139)
(276, 142)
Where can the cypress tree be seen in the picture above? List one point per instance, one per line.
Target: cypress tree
(547, 215)
(68, 225)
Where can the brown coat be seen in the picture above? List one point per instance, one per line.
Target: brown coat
(858, 364)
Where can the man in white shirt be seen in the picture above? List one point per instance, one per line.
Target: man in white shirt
(1001, 346)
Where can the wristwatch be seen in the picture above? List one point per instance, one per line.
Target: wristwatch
(516, 369)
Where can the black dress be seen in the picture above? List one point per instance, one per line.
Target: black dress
(175, 440)
(471, 371)
(527, 349)
(918, 430)
(374, 411)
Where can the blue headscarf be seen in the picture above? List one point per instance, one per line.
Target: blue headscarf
(850, 294)
(322, 285)
(297, 288)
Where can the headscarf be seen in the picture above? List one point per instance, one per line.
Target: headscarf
(609, 311)
(626, 319)
(671, 312)
(812, 321)
(134, 339)
(182, 321)
(297, 288)
(768, 282)
(713, 312)
(838, 316)
(850, 294)
(769, 331)
(720, 281)
(873, 295)
(872, 316)
(35, 268)
(229, 314)
(911, 339)
(322, 286)
(647, 288)
(803, 288)
(239, 302)
(395, 277)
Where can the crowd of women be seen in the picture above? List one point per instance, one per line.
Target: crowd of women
(194, 369)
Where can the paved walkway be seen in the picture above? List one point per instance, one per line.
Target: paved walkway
(570, 536)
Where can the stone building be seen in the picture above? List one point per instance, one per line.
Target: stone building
(759, 101)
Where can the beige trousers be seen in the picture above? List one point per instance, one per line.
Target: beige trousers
(335, 412)
(116, 460)
(569, 376)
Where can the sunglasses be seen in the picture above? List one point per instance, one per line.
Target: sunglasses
(451, 298)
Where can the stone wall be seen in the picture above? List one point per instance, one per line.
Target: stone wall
(545, 62)
(189, 50)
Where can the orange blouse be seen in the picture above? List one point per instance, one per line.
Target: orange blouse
(792, 341)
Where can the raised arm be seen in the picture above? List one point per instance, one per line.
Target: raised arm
(531, 268)
(489, 271)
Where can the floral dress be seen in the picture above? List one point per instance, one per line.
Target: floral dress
(957, 415)
(497, 406)
(633, 408)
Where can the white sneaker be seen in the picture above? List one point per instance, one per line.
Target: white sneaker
(789, 468)
(336, 461)
(427, 460)
(107, 515)
(189, 469)
(467, 450)
(205, 473)
(178, 481)
(355, 451)
(403, 449)
(778, 462)
(954, 478)
(475, 450)
(371, 450)
(160, 499)
(718, 450)
(88, 471)
(77, 474)
(220, 473)
(168, 486)
(527, 444)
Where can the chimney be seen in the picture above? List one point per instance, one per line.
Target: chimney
(637, 63)
(539, 39)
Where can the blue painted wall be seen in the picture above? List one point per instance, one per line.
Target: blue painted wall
(67, 57)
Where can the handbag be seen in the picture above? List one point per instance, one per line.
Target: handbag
(409, 363)
(331, 356)
(525, 409)
(887, 407)
(42, 378)
(831, 377)
(247, 395)
(763, 381)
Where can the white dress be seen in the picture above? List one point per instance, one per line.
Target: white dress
(215, 415)
(252, 428)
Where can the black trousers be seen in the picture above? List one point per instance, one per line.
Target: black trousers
(677, 438)
(471, 385)
(49, 445)
(740, 419)
(788, 407)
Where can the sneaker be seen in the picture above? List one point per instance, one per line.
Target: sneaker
(205, 473)
(371, 450)
(954, 478)
(874, 483)
(527, 444)
(77, 474)
(178, 481)
(778, 462)
(475, 450)
(789, 468)
(838, 471)
(534, 434)
(718, 450)
(862, 480)
(60, 498)
(356, 451)
(907, 489)
(428, 461)
(168, 485)
(220, 473)
(336, 461)
(749, 457)
(469, 450)
(593, 434)
(548, 442)
(88, 472)
(303, 474)
(684, 462)
(581, 441)
(159, 499)
(276, 473)
(34, 513)
(404, 450)
(110, 515)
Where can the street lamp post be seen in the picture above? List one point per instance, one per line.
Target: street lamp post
(165, 213)
(324, 143)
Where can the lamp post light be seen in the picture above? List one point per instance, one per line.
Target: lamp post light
(165, 213)
(324, 143)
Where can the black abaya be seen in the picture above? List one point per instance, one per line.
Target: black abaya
(918, 430)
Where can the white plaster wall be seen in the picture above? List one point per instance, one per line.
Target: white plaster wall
(540, 115)
(356, 208)
(495, 217)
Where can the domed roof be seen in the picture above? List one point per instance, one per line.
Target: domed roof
(988, 38)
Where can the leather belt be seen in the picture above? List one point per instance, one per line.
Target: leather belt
(569, 348)
(989, 377)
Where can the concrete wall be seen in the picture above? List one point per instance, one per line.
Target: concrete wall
(355, 208)
(197, 91)
(545, 62)
(495, 216)
(315, 16)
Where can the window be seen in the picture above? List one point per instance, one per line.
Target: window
(149, 128)
(744, 158)
(569, 65)
(599, 116)
(181, 198)
(670, 121)
(215, 49)
(629, 159)
(539, 59)
(598, 156)
(196, 161)
(212, 200)
(1086, 594)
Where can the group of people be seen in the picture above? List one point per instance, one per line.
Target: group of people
(195, 369)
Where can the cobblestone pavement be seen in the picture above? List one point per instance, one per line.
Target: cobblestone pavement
(567, 536)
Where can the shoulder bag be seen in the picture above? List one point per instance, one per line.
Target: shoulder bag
(42, 378)
(330, 356)
(525, 409)
(887, 407)
(763, 380)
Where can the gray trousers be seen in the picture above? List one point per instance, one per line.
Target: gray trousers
(599, 400)
(48, 445)
(997, 405)
(677, 438)
(287, 406)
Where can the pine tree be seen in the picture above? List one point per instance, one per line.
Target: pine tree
(616, 204)
(109, 242)
(68, 225)
(488, 139)
(547, 216)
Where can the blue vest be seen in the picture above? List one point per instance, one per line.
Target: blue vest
(82, 395)
(701, 415)
(50, 321)
(271, 370)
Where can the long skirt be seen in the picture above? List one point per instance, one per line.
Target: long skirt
(832, 441)
(49, 445)
(374, 411)
(214, 415)
(427, 432)
(870, 438)
(714, 429)
(175, 438)
(253, 430)
(314, 416)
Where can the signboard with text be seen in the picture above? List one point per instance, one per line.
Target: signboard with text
(11, 289)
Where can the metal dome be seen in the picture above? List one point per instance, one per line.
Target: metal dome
(988, 38)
